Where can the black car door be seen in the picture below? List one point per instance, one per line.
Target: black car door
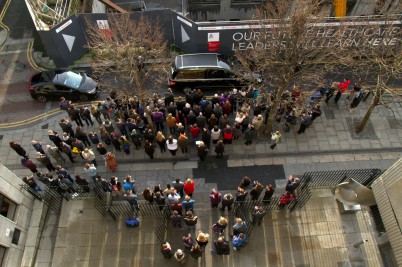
(65, 91)
(49, 90)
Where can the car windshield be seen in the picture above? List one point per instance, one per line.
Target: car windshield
(223, 63)
(70, 79)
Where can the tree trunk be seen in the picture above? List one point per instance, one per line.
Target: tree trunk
(273, 111)
(142, 95)
(149, 118)
(366, 117)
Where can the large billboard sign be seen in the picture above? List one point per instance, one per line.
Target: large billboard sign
(67, 42)
(325, 34)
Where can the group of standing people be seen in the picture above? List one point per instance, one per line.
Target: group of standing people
(184, 211)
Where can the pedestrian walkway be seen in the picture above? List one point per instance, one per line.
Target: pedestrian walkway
(312, 236)
(317, 235)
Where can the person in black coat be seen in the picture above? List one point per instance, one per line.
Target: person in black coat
(249, 135)
(219, 149)
(29, 180)
(149, 149)
(221, 246)
(306, 121)
(227, 201)
(81, 135)
(18, 148)
(67, 127)
(292, 184)
(316, 112)
(166, 250)
(256, 190)
(206, 137)
(202, 151)
(75, 115)
(55, 138)
(85, 114)
(269, 191)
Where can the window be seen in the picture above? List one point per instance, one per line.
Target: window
(213, 74)
(8, 207)
(3, 251)
(16, 236)
(220, 74)
(69, 78)
(191, 74)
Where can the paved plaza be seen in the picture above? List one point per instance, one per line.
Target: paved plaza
(316, 235)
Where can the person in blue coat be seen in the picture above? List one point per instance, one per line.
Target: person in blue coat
(238, 241)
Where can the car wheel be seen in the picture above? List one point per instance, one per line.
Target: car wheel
(83, 98)
(41, 98)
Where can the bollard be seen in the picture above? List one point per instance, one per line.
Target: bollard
(356, 245)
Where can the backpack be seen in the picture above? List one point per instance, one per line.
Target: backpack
(133, 222)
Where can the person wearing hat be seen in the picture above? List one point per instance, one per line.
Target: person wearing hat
(180, 256)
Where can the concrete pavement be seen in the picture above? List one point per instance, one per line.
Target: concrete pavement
(306, 237)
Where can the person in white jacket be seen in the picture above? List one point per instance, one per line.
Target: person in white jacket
(171, 145)
(89, 155)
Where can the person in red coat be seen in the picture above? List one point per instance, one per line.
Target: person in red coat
(227, 135)
(342, 87)
(285, 199)
(195, 131)
(189, 187)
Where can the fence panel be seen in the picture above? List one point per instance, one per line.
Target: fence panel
(161, 229)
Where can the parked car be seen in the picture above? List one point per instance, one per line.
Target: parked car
(204, 71)
(72, 85)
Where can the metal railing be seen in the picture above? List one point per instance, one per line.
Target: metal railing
(50, 197)
(162, 227)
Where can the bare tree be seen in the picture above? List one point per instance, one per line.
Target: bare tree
(130, 54)
(381, 59)
(290, 46)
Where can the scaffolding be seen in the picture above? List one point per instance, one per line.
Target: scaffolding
(48, 13)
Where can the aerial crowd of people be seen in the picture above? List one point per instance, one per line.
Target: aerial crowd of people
(190, 121)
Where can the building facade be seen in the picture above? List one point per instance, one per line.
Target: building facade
(19, 221)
